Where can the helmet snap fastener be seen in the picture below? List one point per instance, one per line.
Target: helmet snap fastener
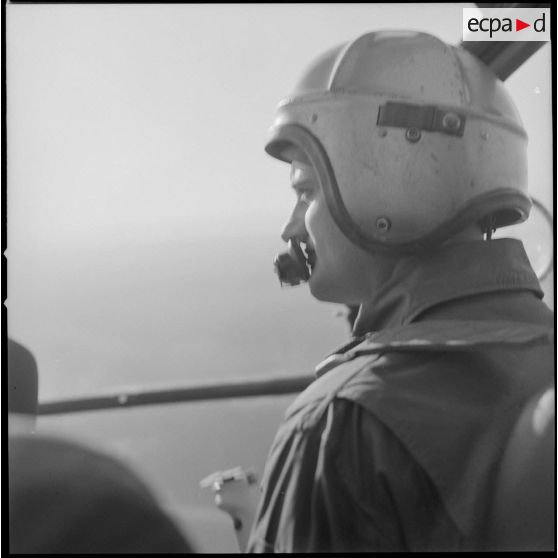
(412, 134)
(313, 118)
(383, 224)
(451, 121)
(484, 134)
(382, 132)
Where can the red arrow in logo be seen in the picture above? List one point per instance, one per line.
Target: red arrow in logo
(519, 25)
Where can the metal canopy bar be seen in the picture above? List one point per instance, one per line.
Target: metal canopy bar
(504, 57)
(124, 399)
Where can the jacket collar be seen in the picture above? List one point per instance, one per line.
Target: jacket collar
(422, 281)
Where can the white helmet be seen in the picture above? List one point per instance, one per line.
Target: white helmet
(412, 140)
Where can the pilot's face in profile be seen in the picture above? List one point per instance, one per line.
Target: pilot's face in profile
(338, 268)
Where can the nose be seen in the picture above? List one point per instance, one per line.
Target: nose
(295, 227)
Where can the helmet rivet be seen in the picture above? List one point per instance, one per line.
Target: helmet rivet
(451, 121)
(412, 134)
(382, 132)
(484, 134)
(383, 224)
(314, 117)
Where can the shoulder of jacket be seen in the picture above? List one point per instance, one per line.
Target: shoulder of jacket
(442, 336)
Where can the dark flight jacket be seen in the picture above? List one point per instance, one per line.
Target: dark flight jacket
(395, 445)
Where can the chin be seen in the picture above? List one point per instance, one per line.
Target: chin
(325, 291)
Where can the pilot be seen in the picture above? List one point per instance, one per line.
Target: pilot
(406, 154)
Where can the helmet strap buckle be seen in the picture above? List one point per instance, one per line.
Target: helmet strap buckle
(429, 118)
(488, 225)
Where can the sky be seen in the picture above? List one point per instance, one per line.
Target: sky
(144, 113)
(143, 212)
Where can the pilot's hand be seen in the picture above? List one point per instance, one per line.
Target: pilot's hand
(236, 497)
(236, 493)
